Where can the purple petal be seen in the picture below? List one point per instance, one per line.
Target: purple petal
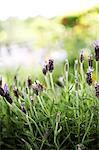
(5, 87)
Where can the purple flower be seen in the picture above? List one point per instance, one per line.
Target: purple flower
(97, 89)
(6, 88)
(96, 49)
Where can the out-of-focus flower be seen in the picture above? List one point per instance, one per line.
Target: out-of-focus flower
(97, 89)
(29, 82)
(96, 49)
(89, 76)
(37, 87)
(79, 147)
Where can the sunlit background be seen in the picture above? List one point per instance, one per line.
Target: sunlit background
(33, 30)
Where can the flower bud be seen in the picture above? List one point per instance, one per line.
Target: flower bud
(81, 56)
(16, 92)
(45, 68)
(66, 66)
(90, 61)
(29, 82)
(97, 89)
(89, 76)
(51, 65)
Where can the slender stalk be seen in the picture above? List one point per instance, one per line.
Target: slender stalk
(87, 128)
(66, 70)
(66, 75)
(47, 81)
(29, 124)
(52, 83)
(97, 71)
(39, 99)
(82, 71)
(31, 110)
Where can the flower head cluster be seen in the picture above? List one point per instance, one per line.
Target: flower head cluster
(48, 66)
(37, 87)
(96, 49)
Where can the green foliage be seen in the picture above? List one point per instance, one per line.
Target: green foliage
(54, 119)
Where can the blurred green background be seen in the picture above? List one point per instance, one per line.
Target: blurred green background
(65, 33)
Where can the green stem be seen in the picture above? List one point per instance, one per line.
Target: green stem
(55, 135)
(82, 72)
(87, 128)
(29, 124)
(66, 75)
(97, 71)
(47, 81)
(52, 83)
(40, 102)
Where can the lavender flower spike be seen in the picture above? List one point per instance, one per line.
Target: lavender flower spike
(96, 49)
